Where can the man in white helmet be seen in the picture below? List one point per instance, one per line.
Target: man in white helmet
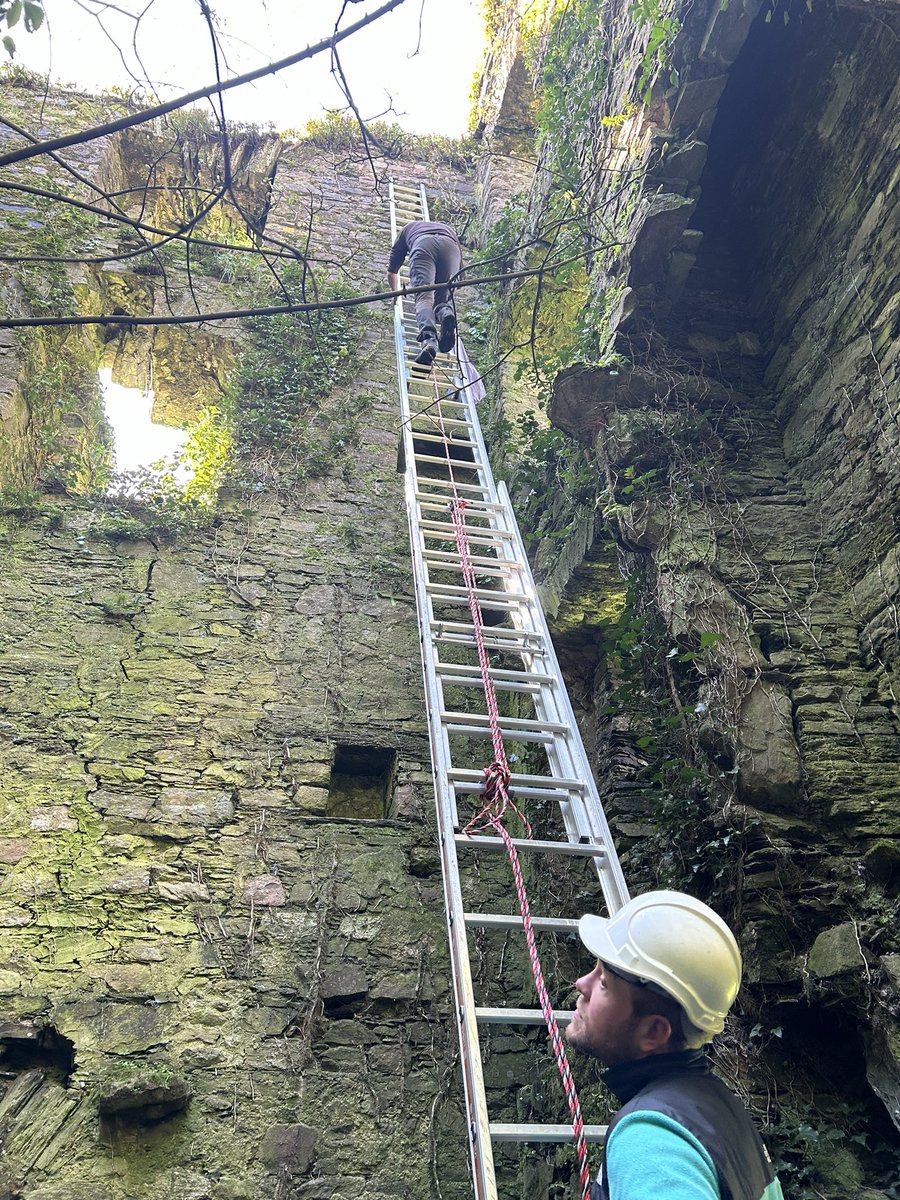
(668, 970)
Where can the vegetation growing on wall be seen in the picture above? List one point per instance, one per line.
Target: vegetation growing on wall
(340, 131)
(64, 438)
(659, 477)
(286, 419)
(291, 418)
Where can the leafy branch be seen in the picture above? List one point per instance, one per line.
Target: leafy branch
(29, 12)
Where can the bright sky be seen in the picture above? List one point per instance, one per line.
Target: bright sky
(429, 90)
(138, 442)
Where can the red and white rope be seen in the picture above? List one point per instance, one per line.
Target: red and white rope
(497, 805)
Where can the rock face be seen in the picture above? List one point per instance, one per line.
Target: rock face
(742, 416)
(218, 887)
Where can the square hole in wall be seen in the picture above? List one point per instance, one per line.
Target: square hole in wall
(360, 782)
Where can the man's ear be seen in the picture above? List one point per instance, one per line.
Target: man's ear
(654, 1033)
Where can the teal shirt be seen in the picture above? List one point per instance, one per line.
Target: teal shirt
(651, 1157)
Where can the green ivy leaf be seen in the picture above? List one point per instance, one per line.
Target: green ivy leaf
(9, 46)
(34, 16)
(15, 11)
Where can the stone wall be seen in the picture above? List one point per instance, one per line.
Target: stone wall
(740, 415)
(223, 953)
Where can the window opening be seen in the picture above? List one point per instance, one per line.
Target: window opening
(36, 1048)
(361, 780)
(138, 441)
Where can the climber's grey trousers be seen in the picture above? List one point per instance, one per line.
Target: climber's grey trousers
(433, 259)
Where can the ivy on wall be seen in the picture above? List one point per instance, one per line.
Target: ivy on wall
(64, 440)
(292, 414)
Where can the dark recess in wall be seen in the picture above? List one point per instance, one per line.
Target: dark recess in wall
(780, 83)
(41, 1049)
(360, 781)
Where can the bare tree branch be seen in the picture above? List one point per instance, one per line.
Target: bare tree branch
(278, 309)
(160, 110)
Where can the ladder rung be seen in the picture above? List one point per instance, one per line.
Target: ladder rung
(458, 464)
(491, 643)
(543, 795)
(510, 635)
(419, 374)
(522, 1132)
(511, 725)
(520, 1016)
(493, 570)
(473, 507)
(471, 677)
(485, 731)
(489, 511)
(451, 558)
(574, 849)
(478, 535)
(452, 442)
(434, 423)
(501, 921)
(462, 487)
(449, 633)
(448, 560)
(451, 590)
(449, 397)
(499, 674)
(475, 537)
(464, 776)
(489, 600)
(480, 510)
(501, 685)
(443, 367)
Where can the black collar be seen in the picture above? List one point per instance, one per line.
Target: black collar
(627, 1079)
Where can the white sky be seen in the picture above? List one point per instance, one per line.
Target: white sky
(430, 91)
(138, 441)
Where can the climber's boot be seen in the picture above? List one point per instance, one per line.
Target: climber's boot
(447, 340)
(429, 343)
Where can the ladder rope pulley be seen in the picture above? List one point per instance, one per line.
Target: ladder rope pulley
(468, 555)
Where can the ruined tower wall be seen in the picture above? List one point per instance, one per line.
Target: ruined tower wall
(734, 391)
(218, 875)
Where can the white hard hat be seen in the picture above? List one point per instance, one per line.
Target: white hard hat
(679, 946)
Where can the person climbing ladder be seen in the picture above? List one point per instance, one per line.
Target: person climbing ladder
(435, 256)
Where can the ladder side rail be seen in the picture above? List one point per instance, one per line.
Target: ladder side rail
(612, 879)
(584, 817)
(526, 618)
(445, 797)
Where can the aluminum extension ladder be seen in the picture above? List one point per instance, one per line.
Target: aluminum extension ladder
(517, 631)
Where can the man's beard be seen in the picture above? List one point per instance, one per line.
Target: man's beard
(585, 1050)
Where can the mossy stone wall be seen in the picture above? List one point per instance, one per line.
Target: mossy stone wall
(254, 988)
(740, 417)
